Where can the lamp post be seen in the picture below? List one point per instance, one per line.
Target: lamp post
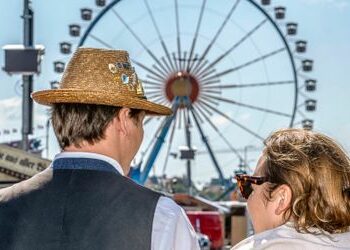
(27, 102)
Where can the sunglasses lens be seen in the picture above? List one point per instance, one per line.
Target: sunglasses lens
(246, 189)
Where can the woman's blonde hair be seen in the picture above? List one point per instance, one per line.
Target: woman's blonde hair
(317, 170)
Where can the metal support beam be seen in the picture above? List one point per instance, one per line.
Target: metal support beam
(158, 145)
(210, 151)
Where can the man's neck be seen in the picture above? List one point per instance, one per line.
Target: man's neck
(103, 149)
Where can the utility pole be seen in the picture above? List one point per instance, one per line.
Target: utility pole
(47, 138)
(189, 145)
(27, 102)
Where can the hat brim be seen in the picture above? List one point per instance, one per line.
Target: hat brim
(49, 97)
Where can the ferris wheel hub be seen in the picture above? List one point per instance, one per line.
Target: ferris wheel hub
(182, 84)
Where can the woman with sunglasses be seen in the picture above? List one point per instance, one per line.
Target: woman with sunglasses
(299, 195)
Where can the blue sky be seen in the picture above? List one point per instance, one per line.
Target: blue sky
(323, 23)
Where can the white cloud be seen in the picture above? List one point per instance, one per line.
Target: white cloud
(10, 110)
(220, 120)
(11, 114)
(244, 117)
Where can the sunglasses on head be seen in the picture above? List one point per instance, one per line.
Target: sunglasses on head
(245, 182)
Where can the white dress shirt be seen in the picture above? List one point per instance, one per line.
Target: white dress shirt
(171, 229)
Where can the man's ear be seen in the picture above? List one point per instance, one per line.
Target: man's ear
(122, 121)
(283, 198)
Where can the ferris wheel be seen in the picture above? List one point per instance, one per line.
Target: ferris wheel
(231, 71)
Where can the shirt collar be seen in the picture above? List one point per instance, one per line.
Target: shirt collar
(105, 158)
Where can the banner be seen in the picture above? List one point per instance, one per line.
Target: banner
(20, 164)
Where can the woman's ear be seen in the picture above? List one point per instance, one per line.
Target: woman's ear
(283, 198)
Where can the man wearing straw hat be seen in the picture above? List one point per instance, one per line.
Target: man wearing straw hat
(84, 200)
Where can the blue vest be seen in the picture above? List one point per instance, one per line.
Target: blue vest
(82, 204)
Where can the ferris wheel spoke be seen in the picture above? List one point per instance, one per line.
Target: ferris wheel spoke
(199, 115)
(206, 142)
(155, 78)
(183, 61)
(212, 42)
(226, 53)
(155, 66)
(210, 82)
(203, 109)
(147, 120)
(216, 129)
(301, 114)
(207, 118)
(225, 72)
(101, 41)
(170, 143)
(209, 99)
(209, 72)
(169, 68)
(155, 95)
(149, 10)
(146, 82)
(152, 88)
(178, 40)
(159, 99)
(250, 106)
(211, 91)
(247, 85)
(184, 117)
(189, 62)
(202, 65)
(164, 102)
(152, 92)
(180, 118)
(234, 121)
(168, 56)
(139, 40)
(175, 61)
(155, 136)
(210, 96)
(158, 74)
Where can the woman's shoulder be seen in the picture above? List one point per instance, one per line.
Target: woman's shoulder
(287, 238)
(266, 237)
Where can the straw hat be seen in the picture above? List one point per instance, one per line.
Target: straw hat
(100, 76)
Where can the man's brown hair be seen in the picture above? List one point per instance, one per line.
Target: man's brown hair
(75, 123)
(317, 170)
